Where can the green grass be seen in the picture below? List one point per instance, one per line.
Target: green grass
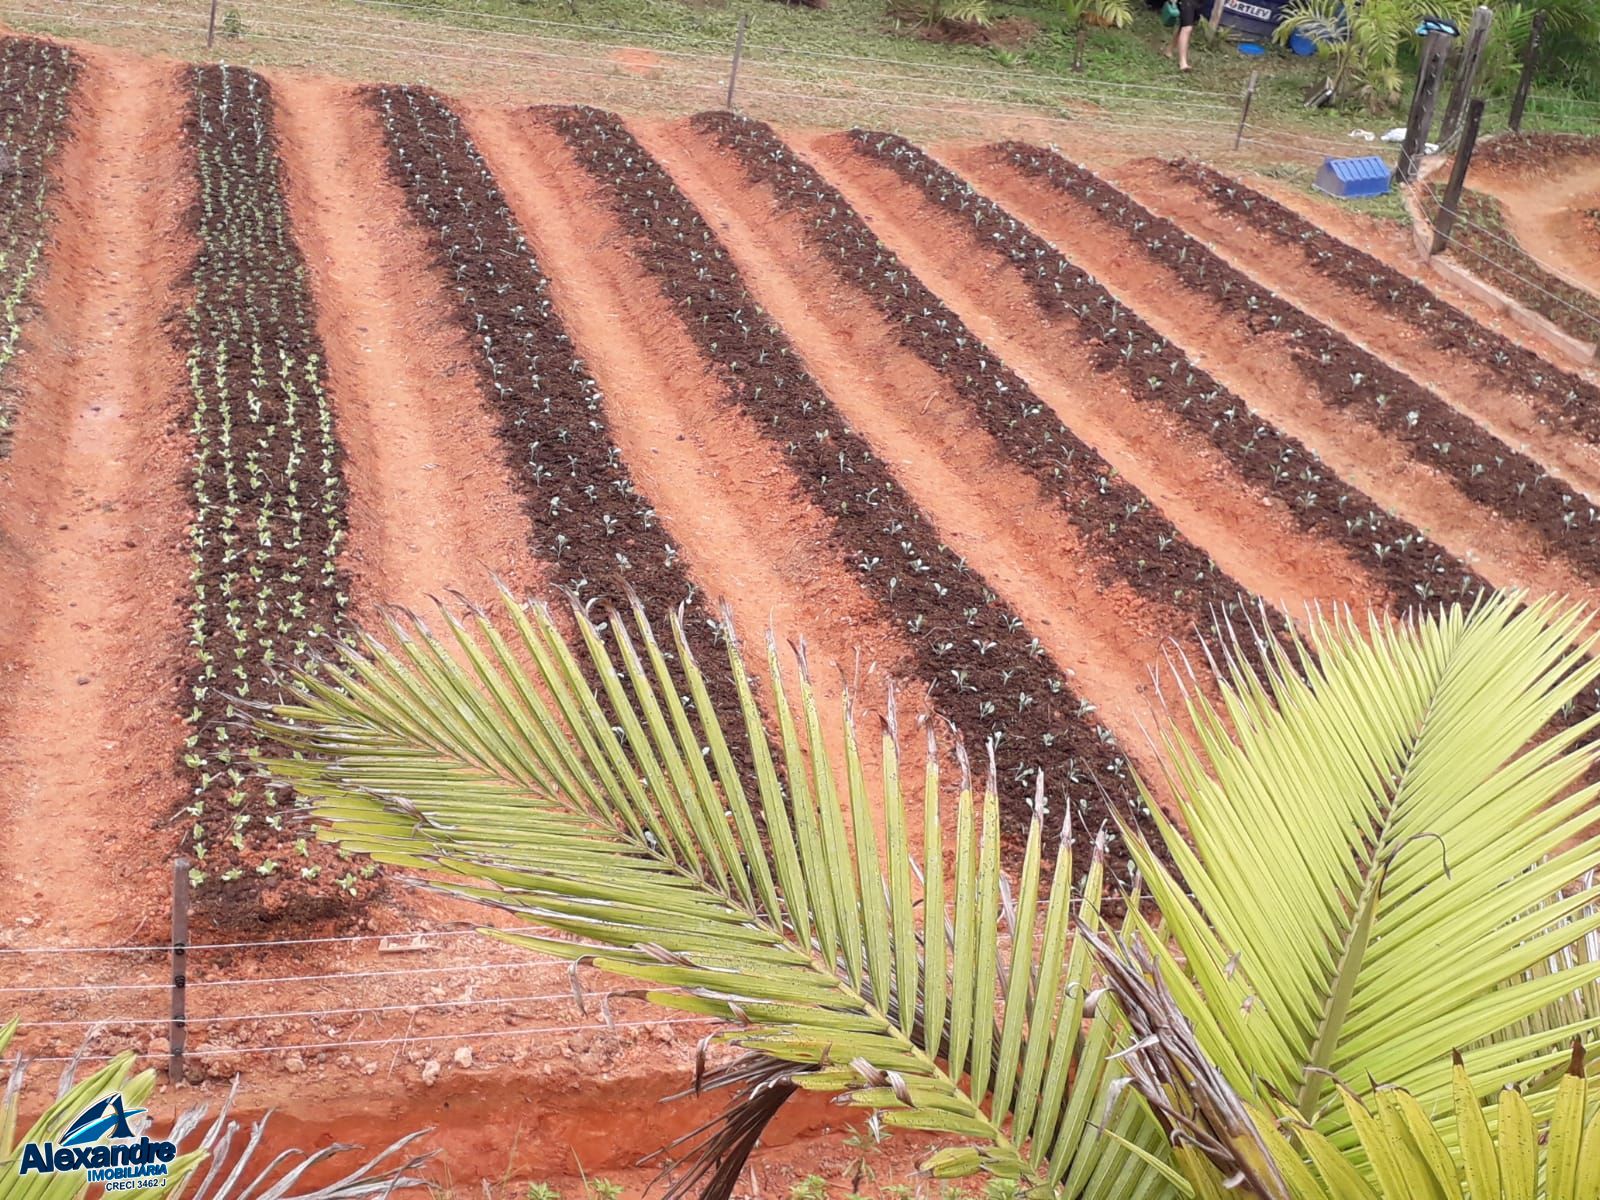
(1125, 72)
(807, 65)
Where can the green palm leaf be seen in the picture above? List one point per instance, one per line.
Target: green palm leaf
(567, 781)
(1388, 861)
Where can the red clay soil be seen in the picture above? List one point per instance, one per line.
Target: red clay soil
(1397, 330)
(1250, 536)
(723, 494)
(432, 508)
(1394, 243)
(1496, 548)
(969, 646)
(92, 519)
(992, 513)
(1344, 377)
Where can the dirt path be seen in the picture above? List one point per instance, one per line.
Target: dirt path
(93, 509)
(1502, 551)
(1386, 332)
(432, 507)
(1256, 544)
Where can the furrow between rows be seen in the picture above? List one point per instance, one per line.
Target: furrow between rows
(1159, 373)
(988, 673)
(1342, 377)
(1565, 398)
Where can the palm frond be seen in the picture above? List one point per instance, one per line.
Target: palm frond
(229, 1174)
(1228, 1147)
(797, 911)
(1388, 860)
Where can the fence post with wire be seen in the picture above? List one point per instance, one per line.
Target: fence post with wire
(178, 1027)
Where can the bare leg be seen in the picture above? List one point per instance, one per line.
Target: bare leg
(1183, 47)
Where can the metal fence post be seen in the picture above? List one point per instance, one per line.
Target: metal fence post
(1530, 62)
(1244, 115)
(738, 53)
(211, 26)
(1449, 204)
(178, 1030)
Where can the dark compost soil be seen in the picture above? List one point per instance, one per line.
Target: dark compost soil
(591, 522)
(36, 83)
(1565, 398)
(1479, 465)
(269, 501)
(986, 673)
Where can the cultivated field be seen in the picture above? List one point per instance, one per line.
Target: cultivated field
(972, 418)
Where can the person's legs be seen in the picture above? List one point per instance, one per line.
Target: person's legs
(1188, 18)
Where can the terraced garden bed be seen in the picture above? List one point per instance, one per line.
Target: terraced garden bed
(1155, 371)
(36, 83)
(269, 511)
(985, 670)
(1477, 464)
(1483, 243)
(1568, 400)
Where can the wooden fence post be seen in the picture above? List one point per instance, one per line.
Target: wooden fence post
(1449, 204)
(178, 1031)
(1420, 121)
(1244, 115)
(211, 27)
(1530, 62)
(738, 53)
(1467, 76)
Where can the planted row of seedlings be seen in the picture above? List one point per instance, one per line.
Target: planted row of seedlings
(987, 674)
(269, 507)
(1158, 372)
(1130, 538)
(36, 82)
(1564, 398)
(1479, 465)
(1394, 552)
(598, 532)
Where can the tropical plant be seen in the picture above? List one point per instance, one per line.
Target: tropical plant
(229, 1176)
(1080, 14)
(811, 930)
(936, 14)
(1388, 858)
(1363, 39)
(1229, 1148)
(1385, 864)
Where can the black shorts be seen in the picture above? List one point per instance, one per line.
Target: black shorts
(1188, 13)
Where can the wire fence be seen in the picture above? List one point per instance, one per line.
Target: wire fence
(328, 1011)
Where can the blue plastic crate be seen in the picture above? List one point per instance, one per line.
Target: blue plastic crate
(1352, 178)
